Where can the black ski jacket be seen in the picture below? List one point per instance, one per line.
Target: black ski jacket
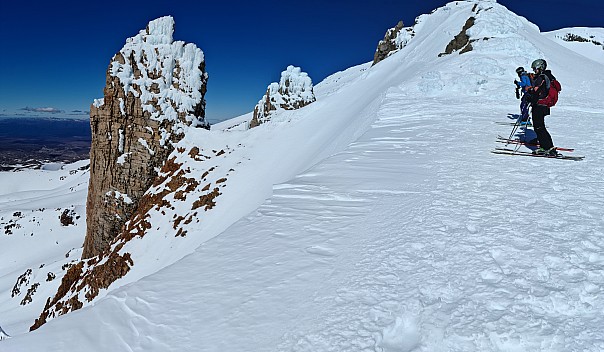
(541, 85)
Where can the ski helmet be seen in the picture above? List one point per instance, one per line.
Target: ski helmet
(539, 64)
(519, 70)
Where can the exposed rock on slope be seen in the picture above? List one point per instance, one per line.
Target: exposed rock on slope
(461, 41)
(395, 39)
(155, 88)
(293, 91)
(187, 186)
(585, 41)
(570, 37)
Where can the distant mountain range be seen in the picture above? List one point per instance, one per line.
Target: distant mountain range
(31, 142)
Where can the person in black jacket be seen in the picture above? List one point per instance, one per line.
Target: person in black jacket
(540, 90)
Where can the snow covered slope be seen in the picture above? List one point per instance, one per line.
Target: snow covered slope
(588, 42)
(36, 242)
(388, 225)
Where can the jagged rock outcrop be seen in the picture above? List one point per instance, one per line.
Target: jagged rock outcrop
(570, 37)
(293, 91)
(395, 39)
(462, 40)
(154, 89)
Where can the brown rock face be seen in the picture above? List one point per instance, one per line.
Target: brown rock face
(154, 91)
(135, 125)
(460, 41)
(188, 181)
(388, 44)
(395, 39)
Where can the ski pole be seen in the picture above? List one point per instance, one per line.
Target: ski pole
(515, 127)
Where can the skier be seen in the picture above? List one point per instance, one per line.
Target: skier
(523, 85)
(540, 101)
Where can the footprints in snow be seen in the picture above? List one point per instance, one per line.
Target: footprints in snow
(321, 251)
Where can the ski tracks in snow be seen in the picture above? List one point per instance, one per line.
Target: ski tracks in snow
(414, 238)
(491, 263)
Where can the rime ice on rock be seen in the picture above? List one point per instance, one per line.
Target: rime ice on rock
(154, 93)
(293, 91)
(395, 39)
(154, 90)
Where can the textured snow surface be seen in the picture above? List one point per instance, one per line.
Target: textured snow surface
(593, 48)
(374, 219)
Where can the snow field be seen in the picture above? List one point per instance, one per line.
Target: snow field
(593, 50)
(390, 227)
(34, 244)
(397, 243)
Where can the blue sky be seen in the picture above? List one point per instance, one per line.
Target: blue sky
(54, 54)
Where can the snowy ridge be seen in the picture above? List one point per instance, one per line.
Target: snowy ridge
(588, 42)
(498, 38)
(392, 223)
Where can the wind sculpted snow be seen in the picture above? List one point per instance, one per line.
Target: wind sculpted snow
(389, 228)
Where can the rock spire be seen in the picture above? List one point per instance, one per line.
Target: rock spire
(154, 90)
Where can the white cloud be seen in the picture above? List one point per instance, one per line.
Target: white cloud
(50, 110)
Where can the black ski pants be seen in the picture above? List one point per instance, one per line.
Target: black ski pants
(524, 107)
(539, 113)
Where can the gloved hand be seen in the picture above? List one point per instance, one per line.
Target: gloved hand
(517, 83)
(532, 98)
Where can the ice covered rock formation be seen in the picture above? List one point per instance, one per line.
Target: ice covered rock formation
(154, 89)
(395, 39)
(293, 91)
(154, 93)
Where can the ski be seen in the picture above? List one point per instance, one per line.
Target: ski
(513, 124)
(504, 151)
(516, 141)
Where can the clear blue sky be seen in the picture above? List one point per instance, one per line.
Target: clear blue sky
(54, 54)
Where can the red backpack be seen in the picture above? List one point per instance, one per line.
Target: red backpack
(552, 95)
